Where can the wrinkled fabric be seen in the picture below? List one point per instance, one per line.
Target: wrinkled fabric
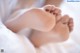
(6, 7)
(12, 43)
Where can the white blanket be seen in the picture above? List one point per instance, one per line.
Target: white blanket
(13, 43)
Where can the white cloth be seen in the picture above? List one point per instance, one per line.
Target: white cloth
(12, 43)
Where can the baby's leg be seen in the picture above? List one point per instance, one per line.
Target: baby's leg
(37, 19)
(59, 33)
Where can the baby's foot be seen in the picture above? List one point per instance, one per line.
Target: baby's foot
(34, 18)
(63, 27)
(59, 33)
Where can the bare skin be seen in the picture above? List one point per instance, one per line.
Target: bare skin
(59, 33)
(53, 2)
(35, 18)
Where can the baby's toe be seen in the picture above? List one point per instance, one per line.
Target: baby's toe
(58, 17)
(56, 11)
(71, 24)
(49, 8)
(65, 19)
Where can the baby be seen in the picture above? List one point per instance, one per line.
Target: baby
(47, 23)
